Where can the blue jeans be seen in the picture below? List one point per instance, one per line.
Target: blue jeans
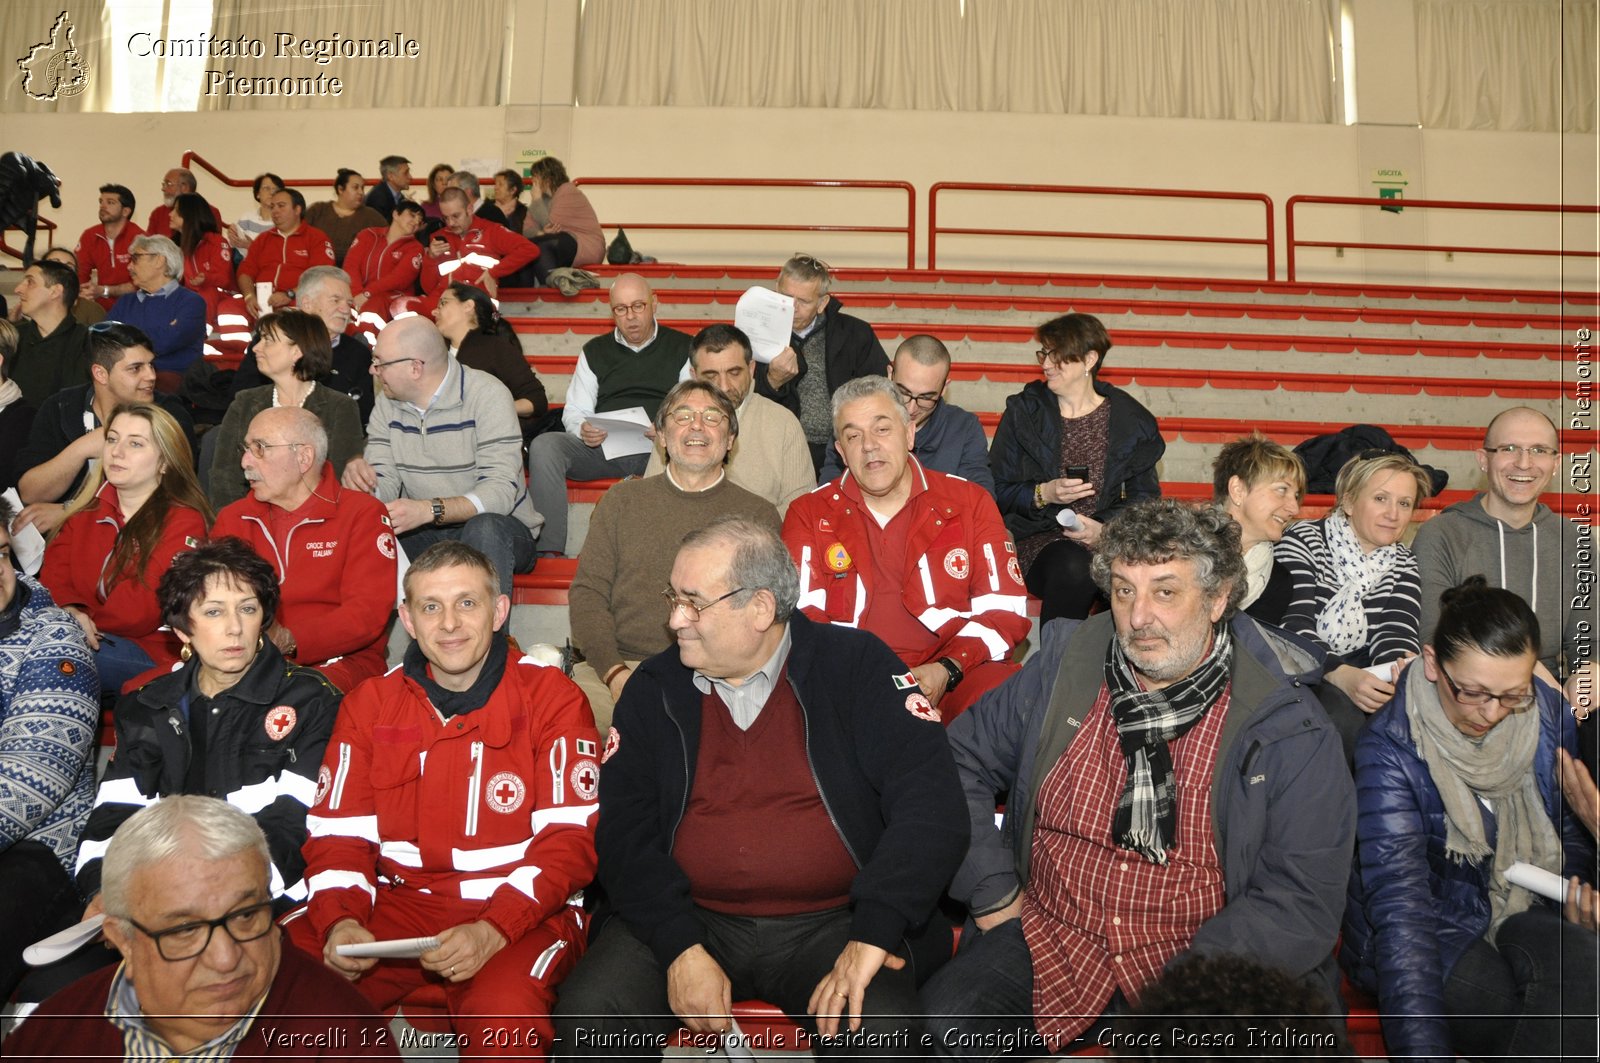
(1530, 995)
(118, 660)
(504, 540)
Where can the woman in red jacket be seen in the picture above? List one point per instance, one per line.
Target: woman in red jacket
(207, 261)
(140, 507)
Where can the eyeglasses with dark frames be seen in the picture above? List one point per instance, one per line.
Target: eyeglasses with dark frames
(1510, 702)
(376, 364)
(188, 940)
(691, 608)
(927, 400)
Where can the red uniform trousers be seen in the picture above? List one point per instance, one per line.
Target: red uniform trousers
(504, 1010)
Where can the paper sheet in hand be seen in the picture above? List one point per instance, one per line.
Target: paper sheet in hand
(27, 545)
(768, 319)
(736, 1045)
(398, 948)
(64, 943)
(624, 431)
(1546, 884)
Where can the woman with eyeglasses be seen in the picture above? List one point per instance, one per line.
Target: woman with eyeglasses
(1356, 588)
(1069, 441)
(481, 339)
(139, 509)
(292, 350)
(1456, 780)
(237, 721)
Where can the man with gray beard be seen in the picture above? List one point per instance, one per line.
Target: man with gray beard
(1175, 787)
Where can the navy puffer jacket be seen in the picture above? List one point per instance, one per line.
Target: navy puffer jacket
(1412, 911)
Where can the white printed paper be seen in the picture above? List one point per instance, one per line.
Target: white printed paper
(768, 319)
(625, 431)
(27, 545)
(399, 948)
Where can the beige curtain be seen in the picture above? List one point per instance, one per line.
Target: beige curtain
(1268, 60)
(1516, 65)
(1253, 60)
(769, 53)
(79, 82)
(460, 64)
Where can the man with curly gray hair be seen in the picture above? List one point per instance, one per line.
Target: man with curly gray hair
(1174, 787)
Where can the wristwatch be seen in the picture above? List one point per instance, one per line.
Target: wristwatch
(438, 511)
(956, 674)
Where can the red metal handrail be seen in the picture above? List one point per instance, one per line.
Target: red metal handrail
(934, 228)
(193, 158)
(1437, 204)
(45, 226)
(909, 229)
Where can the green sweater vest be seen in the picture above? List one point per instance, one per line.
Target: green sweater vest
(627, 378)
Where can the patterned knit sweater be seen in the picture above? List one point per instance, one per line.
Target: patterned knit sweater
(49, 707)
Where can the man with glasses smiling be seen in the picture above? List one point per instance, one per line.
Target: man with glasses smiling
(204, 973)
(949, 438)
(614, 606)
(635, 364)
(1506, 535)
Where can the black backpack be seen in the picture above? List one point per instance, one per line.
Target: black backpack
(1325, 455)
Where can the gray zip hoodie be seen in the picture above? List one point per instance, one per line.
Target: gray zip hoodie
(1533, 561)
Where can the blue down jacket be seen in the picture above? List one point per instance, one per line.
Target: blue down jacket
(1412, 911)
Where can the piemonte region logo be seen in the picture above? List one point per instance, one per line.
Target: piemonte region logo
(53, 69)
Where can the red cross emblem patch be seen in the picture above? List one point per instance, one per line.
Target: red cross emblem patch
(505, 792)
(919, 706)
(324, 781)
(957, 564)
(613, 742)
(585, 779)
(279, 722)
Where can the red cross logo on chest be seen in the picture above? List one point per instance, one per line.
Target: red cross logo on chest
(279, 722)
(505, 793)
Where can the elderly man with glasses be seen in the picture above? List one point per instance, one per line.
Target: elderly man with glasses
(333, 548)
(633, 365)
(949, 438)
(204, 974)
(614, 605)
(773, 824)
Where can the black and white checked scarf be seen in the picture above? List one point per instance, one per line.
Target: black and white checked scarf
(1146, 818)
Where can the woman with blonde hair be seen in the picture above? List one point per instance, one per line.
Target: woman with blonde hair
(140, 507)
(1357, 589)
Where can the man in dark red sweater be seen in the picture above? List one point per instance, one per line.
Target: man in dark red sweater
(204, 970)
(778, 819)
